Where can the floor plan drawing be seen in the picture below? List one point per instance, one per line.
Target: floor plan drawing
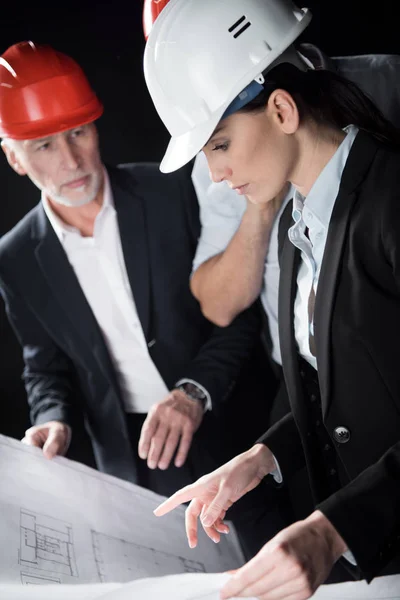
(30, 579)
(120, 560)
(46, 544)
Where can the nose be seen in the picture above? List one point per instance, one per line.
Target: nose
(219, 172)
(69, 155)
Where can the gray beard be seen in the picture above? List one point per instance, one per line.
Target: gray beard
(66, 202)
(63, 201)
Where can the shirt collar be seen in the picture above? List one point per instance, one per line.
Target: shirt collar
(61, 229)
(321, 198)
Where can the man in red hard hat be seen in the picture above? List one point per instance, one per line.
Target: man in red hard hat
(96, 285)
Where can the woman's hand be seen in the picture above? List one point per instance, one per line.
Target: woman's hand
(212, 495)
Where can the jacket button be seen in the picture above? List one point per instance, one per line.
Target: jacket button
(341, 435)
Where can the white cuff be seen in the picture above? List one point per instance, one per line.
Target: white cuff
(208, 405)
(350, 557)
(277, 473)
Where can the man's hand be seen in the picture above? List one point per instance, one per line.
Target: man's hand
(291, 565)
(170, 425)
(53, 437)
(212, 495)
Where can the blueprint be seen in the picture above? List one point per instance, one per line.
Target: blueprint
(65, 523)
(71, 533)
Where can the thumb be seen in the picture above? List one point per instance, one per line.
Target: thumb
(54, 443)
(217, 507)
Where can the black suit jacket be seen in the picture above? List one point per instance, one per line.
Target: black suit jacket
(67, 366)
(357, 333)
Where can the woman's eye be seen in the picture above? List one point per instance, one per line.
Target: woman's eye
(222, 147)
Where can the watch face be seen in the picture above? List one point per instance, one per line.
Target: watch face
(192, 390)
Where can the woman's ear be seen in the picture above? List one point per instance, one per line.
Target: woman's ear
(284, 110)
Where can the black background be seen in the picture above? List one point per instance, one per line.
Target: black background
(106, 38)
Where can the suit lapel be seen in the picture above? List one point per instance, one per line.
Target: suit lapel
(360, 158)
(66, 288)
(289, 265)
(327, 286)
(133, 232)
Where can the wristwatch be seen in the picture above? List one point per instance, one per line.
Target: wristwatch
(193, 392)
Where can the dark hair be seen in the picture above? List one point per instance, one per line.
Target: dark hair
(328, 99)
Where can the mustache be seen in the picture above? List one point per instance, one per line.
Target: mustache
(75, 178)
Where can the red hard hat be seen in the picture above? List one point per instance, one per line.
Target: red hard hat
(151, 10)
(43, 92)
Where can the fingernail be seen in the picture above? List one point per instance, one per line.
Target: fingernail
(151, 465)
(207, 520)
(192, 544)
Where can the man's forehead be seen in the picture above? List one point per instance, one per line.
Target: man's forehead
(47, 138)
(34, 141)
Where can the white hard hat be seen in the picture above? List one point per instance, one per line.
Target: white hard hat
(201, 54)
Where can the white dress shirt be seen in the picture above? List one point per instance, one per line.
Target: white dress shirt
(99, 265)
(221, 211)
(314, 212)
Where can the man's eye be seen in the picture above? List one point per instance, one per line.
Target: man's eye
(43, 147)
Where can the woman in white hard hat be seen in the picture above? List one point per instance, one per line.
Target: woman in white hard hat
(224, 78)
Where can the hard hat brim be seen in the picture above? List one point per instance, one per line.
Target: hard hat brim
(32, 131)
(183, 148)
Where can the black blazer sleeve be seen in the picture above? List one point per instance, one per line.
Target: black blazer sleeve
(366, 513)
(283, 440)
(47, 374)
(220, 360)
